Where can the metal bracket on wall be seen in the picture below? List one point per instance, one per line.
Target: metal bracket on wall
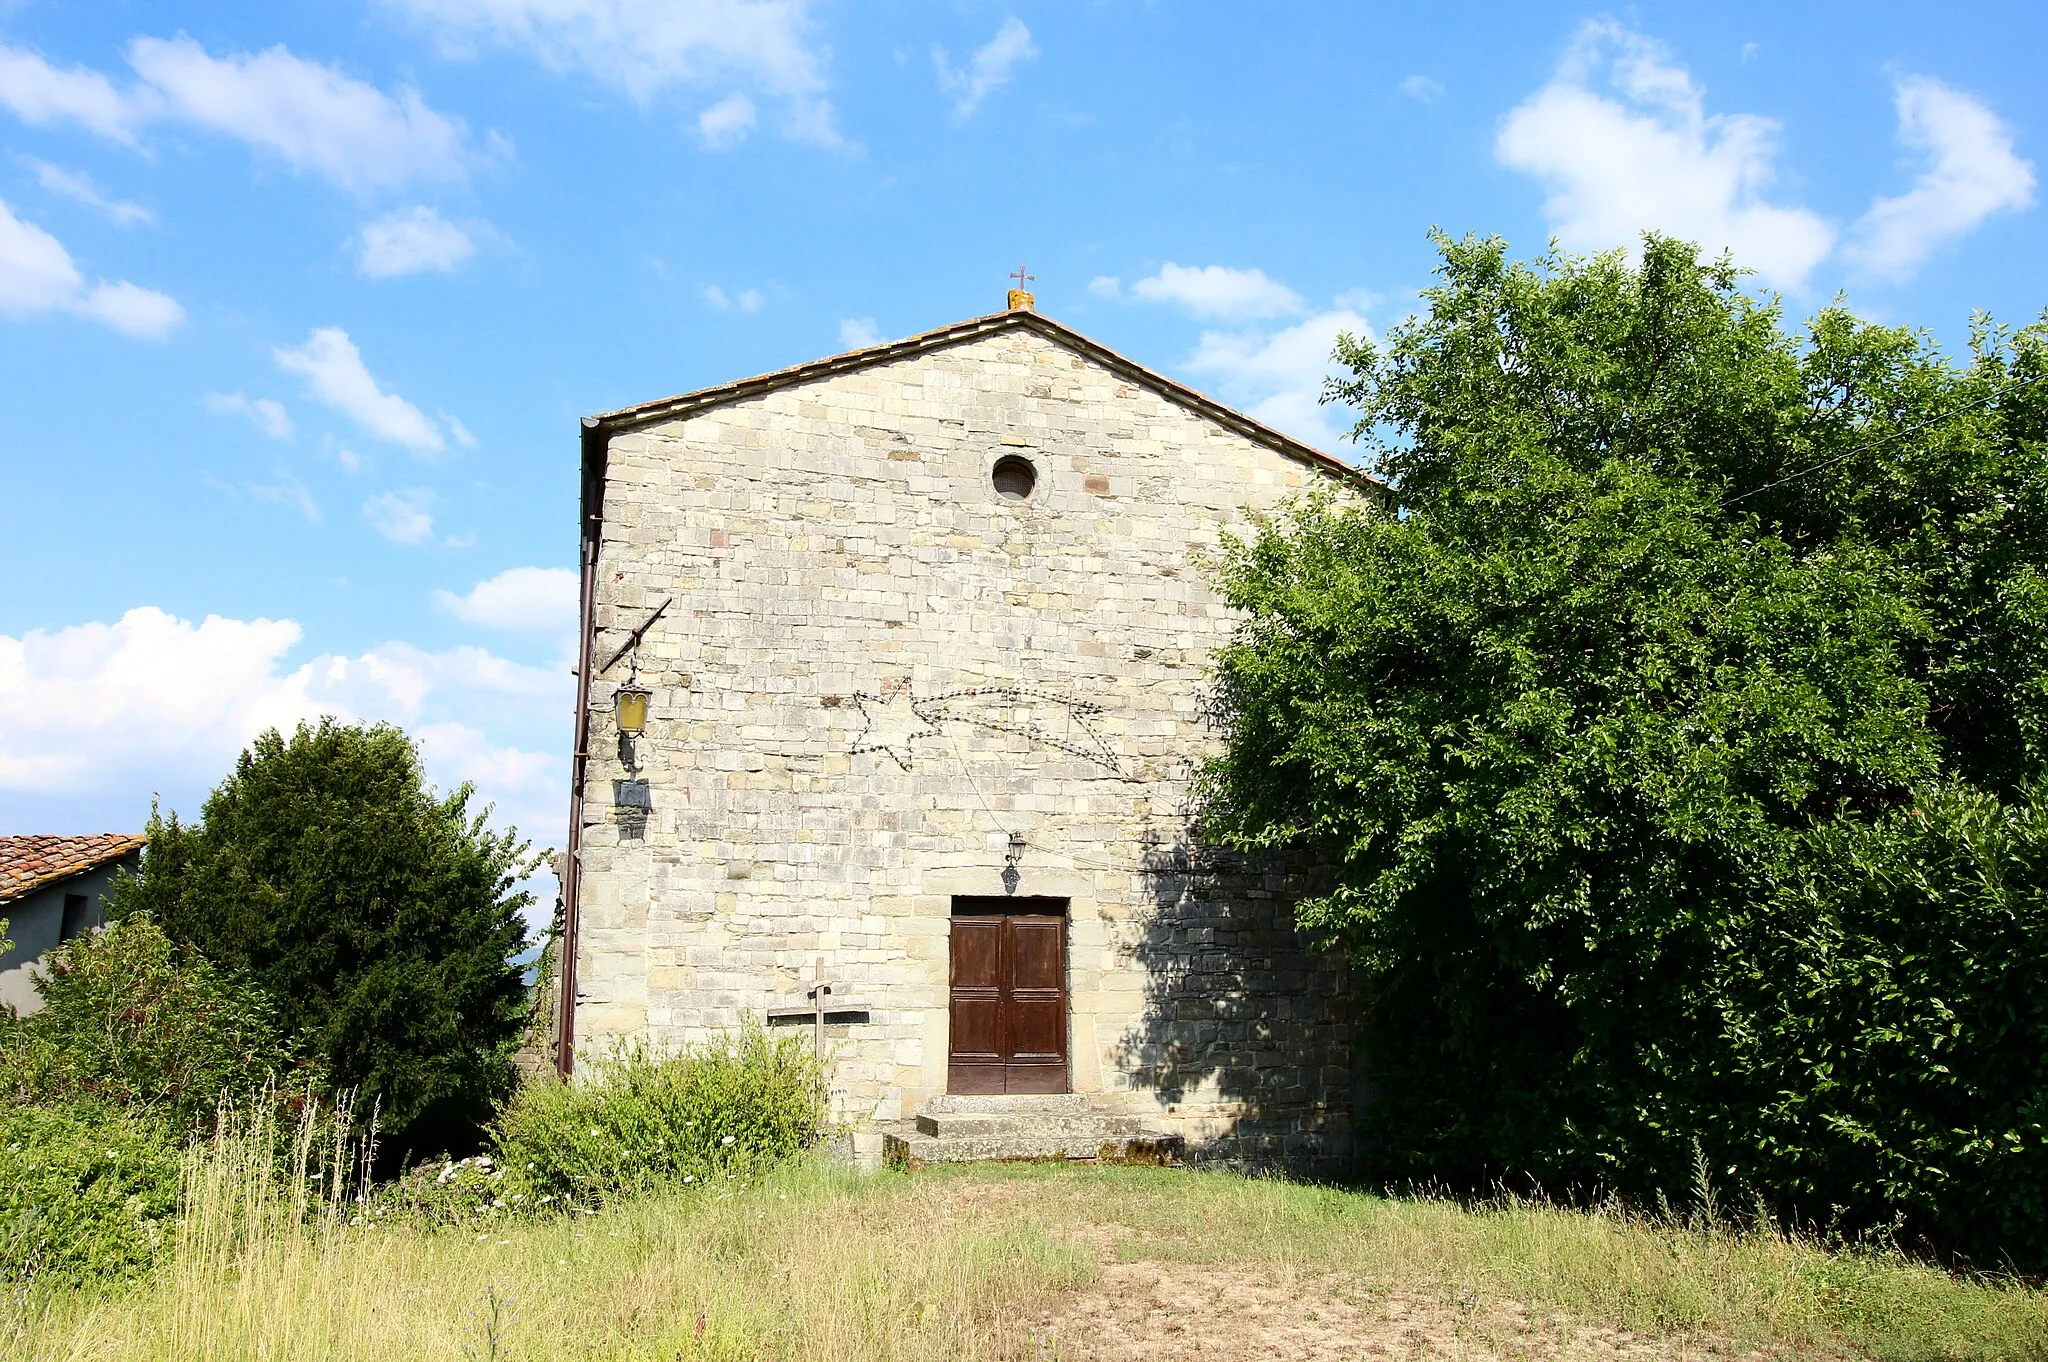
(638, 634)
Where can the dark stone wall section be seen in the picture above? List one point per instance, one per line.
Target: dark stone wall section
(1238, 997)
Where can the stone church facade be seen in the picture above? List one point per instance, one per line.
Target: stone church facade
(924, 641)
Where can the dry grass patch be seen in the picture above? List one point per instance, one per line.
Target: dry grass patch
(1145, 1311)
(803, 1265)
(1025, 1263)
(1516, 1275)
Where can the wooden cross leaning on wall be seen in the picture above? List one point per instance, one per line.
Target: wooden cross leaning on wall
(817, 995)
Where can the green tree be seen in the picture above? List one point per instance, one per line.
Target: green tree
(382, 919)
(1675, 602)
(130, 1019)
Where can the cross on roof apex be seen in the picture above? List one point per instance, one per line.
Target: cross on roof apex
(1020, 298)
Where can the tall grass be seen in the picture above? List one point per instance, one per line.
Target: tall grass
(262, 1203)
(796, 1267)
(810, 1263)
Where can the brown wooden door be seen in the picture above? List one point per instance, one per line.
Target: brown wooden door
(1009, 1010)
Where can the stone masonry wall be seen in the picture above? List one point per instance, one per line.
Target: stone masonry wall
(876, 671)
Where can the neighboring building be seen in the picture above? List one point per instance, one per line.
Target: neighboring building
(927, 646)
(50, 891)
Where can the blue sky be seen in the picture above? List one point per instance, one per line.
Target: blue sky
(300, 305)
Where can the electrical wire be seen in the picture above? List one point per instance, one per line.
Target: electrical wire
(1933, 420)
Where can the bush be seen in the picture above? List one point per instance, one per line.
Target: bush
(1643, 743)
(326, 870)
(457, 1192)
(132, 1020)
(1889, 1010)
(645, 1115)
(86, 1194)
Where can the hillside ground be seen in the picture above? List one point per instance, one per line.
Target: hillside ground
(1035, 1262)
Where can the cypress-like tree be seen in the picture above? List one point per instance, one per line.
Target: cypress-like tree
(381, 918)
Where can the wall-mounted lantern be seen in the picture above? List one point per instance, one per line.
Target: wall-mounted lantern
(1012, 876)
(630, 705)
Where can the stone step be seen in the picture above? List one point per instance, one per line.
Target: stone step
(1090, 1126)
(911, 1148)
(1013, 1104)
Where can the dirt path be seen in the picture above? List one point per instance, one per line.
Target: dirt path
(1154, 1311)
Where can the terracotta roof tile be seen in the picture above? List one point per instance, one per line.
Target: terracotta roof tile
(30, 863)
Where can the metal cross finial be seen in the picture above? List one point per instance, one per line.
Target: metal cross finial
(1021, 277)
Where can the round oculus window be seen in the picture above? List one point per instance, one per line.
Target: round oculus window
(1014, 477)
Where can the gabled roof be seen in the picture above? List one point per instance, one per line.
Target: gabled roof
(31, 863)
(597, 429)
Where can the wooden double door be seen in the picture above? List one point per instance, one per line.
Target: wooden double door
(1009, 996)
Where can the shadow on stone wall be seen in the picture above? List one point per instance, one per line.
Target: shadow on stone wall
(1239, 1010)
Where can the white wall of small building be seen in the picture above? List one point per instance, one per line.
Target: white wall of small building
(35, 924)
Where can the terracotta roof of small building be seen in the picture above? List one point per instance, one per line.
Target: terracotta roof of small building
(31, 863)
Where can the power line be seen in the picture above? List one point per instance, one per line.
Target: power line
(1933, 420)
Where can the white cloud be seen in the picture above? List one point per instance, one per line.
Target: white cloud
(726, 124)
(459, 431)
(78, 186)
(988, 68)
(858, 333)
(315, 117)
(1649, 156)
(527, 599)
(288, 491)
(1971, 172)
(646, 46)
(1277, 377)
(409, 241)
(38, 275)
(176, 701)
(1106, 286)
(266, 415)
(1219, 292)
(747, 300)
(39, 94)
(132, 309)
(403, 517)
(1422, 88)
(161, 683)
(334, 374)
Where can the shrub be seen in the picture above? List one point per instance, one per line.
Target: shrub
(132, 1020)
(645, 1115)
(1614, 738)
(457, 1192)
(1889, 1009)
(87, 1194)
(327, 871)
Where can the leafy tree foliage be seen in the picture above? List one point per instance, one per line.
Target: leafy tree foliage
(1678, 741)
(88, 1194)
(381, 918)
(132, 1020)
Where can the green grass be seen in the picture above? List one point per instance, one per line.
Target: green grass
(1751, 1289)
(809, 1263)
